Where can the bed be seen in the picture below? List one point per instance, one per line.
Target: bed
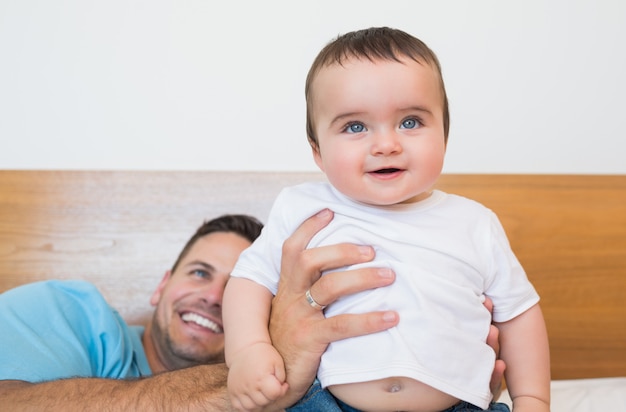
(122, 230)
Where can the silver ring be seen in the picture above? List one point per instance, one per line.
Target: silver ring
(312, 301)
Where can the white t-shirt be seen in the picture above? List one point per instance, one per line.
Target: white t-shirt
(447, 252)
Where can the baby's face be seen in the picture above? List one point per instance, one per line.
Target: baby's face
(380, 129)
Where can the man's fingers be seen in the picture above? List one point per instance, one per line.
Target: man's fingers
(493, 339)
(350, 325)
(488, 304)
(330, 257)
(497, 378)
(296, 259)
(333, 285)
(300, 267)
(298, 241)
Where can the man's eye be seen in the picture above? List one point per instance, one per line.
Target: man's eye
(200, 273)
(410, 124)
(355, 128)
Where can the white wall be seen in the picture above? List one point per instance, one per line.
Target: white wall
(536, 86)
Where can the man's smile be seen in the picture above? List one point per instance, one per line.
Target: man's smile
(202, 321)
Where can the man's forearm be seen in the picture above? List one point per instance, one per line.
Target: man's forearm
(198, 388)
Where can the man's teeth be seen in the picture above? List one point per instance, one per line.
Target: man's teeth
(204, 322)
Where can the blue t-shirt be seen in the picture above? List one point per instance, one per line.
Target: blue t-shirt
(62, 329)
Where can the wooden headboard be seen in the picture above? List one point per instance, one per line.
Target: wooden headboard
(122, 230)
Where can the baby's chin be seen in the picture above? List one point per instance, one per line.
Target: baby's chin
(384, 201)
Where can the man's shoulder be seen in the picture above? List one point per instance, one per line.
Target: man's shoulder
(76, 303)
(75, 287)
(52, 289)
(62, 328)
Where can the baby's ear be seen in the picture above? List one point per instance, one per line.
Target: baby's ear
(317, 156)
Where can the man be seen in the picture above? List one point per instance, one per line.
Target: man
(177, 361)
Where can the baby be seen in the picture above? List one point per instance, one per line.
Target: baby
(377, 122)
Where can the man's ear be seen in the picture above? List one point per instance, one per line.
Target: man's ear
(156, 295)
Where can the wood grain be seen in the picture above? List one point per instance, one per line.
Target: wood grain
(569, 232)
(122, 230)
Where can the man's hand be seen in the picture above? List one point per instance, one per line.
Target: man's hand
(493, 340)
(300, 332)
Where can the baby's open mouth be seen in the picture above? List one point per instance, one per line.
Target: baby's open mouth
(386, 170)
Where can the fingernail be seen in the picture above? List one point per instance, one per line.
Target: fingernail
(389, 316)
(323, 214)
(366, 251)
(385, 273)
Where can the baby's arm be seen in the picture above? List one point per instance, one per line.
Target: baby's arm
(524, 347)
(256, 375)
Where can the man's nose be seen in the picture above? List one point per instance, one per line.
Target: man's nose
(213, 292)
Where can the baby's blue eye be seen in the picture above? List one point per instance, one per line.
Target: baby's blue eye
(355, 128)
(410, 124)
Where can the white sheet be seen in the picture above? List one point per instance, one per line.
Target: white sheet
(585, 395)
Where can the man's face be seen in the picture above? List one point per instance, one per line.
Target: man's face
(187, 329)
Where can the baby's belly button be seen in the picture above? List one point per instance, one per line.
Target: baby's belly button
(393, 394)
